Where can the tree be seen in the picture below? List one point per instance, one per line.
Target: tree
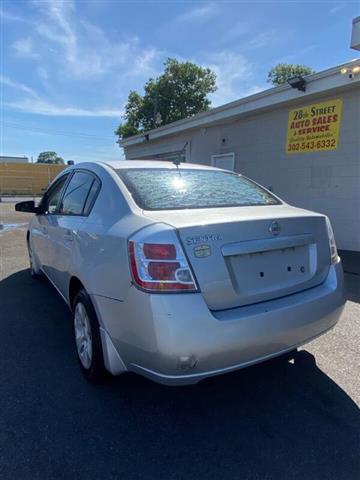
(179, 92)
(281, 73)
(50, 157)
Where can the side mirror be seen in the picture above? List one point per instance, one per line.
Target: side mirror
(28, 206)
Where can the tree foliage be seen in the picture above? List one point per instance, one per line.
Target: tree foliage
(281, 73)
(50, 157)
(179, 92)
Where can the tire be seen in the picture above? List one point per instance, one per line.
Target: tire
(87, 338)
(35, 272)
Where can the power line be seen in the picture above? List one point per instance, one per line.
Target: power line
(29, 128)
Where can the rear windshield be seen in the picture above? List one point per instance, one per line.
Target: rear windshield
(171, 189)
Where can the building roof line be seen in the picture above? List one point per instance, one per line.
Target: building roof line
(330, 78)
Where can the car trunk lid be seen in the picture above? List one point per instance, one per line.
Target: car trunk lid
(244, 255)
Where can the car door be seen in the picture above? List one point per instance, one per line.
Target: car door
(74, 206)
(45, 221)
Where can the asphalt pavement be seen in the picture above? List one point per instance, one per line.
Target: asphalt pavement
(278, 420)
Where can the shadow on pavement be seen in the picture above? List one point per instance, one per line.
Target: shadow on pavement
(277, 420)
(352, 283)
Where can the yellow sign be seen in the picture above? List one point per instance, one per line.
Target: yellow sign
(314, 128)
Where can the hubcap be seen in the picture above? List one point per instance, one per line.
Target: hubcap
(83, 336)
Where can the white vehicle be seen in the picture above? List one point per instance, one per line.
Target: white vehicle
(182, 272)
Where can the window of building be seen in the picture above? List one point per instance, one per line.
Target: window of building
(225, 161)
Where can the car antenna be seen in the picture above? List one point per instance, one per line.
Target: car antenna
(177, 160)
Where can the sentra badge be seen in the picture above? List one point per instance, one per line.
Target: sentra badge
(201, 251)
(208, 237)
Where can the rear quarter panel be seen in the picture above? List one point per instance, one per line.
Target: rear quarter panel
(100, 258)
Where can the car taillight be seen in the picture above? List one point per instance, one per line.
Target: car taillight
(334, 257)
(160, 267)
(160, 251)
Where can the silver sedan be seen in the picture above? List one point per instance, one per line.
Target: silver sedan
(180, 272)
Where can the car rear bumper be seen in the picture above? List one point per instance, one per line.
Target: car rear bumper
(176, 339)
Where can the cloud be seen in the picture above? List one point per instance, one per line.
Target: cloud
(25, 48)
(250, 39)
(43, 107)
(236, 31)
(199, 14)
(57, 29)
(18, 86)
(262, 39)
(298, 56)
(145, 64)
(10, 17)
(40, 106)
(72, 49)
(336, 8)
(234, 76)
(43, 73)
(84, 49)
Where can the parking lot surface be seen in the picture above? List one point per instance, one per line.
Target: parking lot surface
(277, 420)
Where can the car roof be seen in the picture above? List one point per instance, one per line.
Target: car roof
(125, 164)
(117, 166)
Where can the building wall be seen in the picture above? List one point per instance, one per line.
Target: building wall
(328, 182)
(26, 179)
(4, 159)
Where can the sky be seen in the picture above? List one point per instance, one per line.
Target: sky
(67, 66)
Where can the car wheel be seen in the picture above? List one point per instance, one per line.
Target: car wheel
(87, 338)
(34, 269)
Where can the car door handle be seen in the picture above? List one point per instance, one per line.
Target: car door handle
(44, 230)
(68, 237)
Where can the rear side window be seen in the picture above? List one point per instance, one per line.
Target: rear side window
(171, 189)
(74, 201)
(95, 187)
